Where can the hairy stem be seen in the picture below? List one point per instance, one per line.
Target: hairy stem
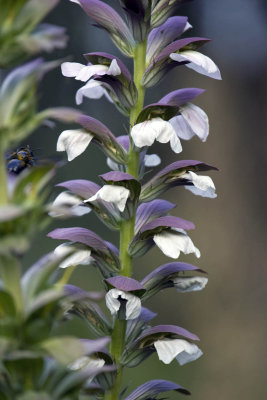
(3, 180)
(127, 226)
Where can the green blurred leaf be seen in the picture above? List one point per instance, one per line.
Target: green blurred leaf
(7, 305)
(10, 274)
(36, 277)
(65, 349)
(29, 395)
(48, 297)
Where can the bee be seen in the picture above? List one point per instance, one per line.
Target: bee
(20, 159)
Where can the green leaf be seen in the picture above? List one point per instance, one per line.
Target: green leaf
(10, 273)
(36, 277)
(29, 395)
(32, 182)
(7, 305)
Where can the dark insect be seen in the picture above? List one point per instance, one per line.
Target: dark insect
(20, 159)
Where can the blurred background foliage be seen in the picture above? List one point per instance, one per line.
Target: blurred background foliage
(229, 315)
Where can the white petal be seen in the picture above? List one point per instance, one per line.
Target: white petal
(78, 257)
(112, 164)
(152, 160)
(71, 69)
(187, 26)
(145, 133)
(190, 284)
(88, 71)
(85, 362)
(67, 204)
(172, 242)
(203, 185)
(181, 127)
(176, 144)
(74, 142)
(114, 68)
(180, 349)
(198, 62)
(197, 120)
(92, 90)
(133, 305)
(112, 194)
(76, 1)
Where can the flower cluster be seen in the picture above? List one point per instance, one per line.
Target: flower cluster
(123, 201)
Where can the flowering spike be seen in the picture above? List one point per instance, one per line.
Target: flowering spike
(124, 202)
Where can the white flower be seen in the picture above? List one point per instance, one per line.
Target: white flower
(183, 351)
(189, 283)
(92, 89)
(67, 204)
(78, 257)
(192, 121)
(133, 304)
(74, 142)
(85, 362)
(172, 242)
(85, 72)
(202, 185)
(145, 133)
(198, 62)
(117, 195)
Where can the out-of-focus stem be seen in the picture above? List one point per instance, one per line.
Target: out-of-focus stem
(11, 279)
(127, 226)
(3, 180)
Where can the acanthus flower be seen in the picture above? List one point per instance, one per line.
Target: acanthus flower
(114, 194)
(180, 349)
(92, 89)
(122, 297)
(168, 233)
(180, 52)
(172, 118)
(67, 204)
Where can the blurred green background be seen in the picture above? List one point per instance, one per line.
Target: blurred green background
(229, 315)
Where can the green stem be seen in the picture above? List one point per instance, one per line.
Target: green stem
(127, 226)
(3, 180)
(66, 276)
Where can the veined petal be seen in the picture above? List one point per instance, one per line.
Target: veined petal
(197, 120)
(133, 303)
(78, 257)
(203, 185)
(152, 160)
(92, 90)
(181, 127)
(180, 349)
(90, 70)
(85, 73)
(198, 62)
(71, 69)
(189, 283)
(117, 195)
(67, 204)
(74, 142)
(145, 134)
(172, 242)
(114, 68)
